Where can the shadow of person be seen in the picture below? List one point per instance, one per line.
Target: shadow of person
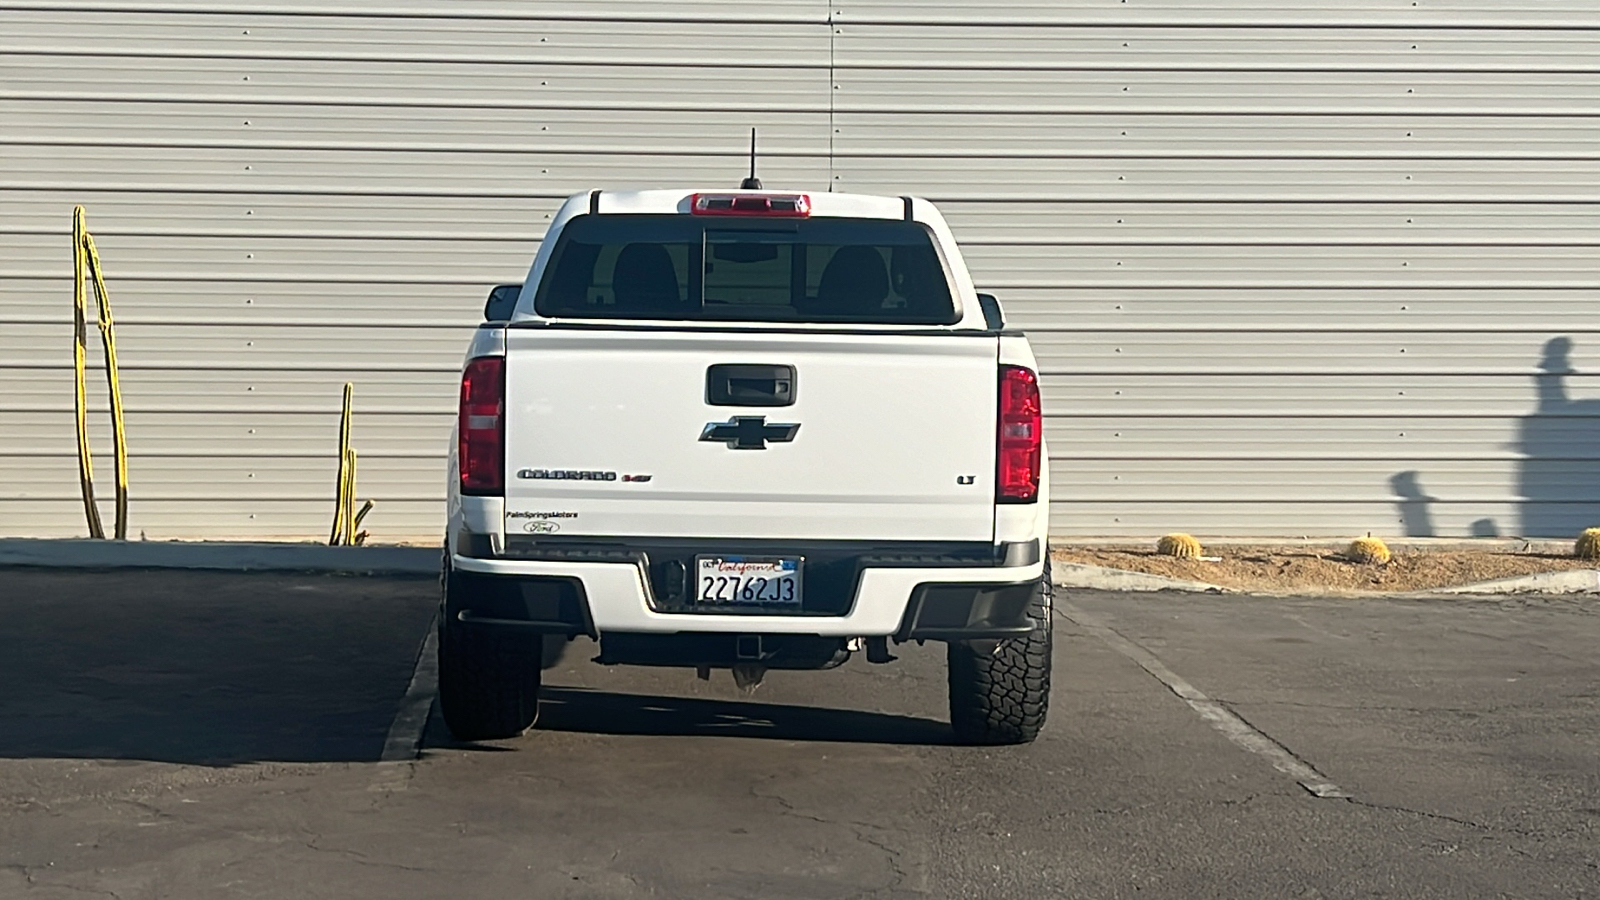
(1558, 480)
(1416, 519)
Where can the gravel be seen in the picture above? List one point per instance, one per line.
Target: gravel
(1277, 569)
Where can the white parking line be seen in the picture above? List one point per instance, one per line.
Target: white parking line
(1218, 716)
(405, 733)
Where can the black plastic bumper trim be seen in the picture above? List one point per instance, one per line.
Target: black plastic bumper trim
(543, 552)
(1018, 553)
(473, 545)
(967, 611)
(551, 604)
(970, 634)
(551, 626)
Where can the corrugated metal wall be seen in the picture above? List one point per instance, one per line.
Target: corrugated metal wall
(1291, 268)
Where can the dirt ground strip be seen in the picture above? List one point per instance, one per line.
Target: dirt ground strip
(1277, 569)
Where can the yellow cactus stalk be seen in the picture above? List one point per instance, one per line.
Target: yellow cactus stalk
(1368, 550)
(1588, 545)
(1180, 545)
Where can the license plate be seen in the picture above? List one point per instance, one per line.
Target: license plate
(747, 581)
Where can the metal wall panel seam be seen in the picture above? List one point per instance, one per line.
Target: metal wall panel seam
(748, 10)
(1130, 17)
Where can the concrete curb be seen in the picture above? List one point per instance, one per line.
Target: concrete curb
(1572, 581)
(1099, 578)
(226, 555)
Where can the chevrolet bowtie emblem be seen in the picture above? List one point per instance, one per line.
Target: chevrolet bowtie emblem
(748, 432)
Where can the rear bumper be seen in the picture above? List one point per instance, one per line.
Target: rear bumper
(907, 602)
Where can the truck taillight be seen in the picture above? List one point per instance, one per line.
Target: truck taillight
(483, 426)
(1020, 442)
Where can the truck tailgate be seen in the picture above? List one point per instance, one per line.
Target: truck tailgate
(614, 433)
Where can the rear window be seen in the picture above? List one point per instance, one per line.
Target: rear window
(692, 269)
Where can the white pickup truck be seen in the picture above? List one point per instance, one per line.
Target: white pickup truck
(747, 430)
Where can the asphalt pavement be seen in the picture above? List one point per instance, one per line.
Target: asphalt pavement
(172, 734)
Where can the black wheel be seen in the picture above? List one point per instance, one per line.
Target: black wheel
(1001, 696)
(488, 676)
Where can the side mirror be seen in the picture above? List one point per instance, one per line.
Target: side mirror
(991, 312)
(502, 300)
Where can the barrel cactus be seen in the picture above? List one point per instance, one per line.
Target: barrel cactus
(1369, 550)
(1180, 545)
(1588, 545)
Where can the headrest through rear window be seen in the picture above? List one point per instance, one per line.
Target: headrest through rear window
(644, 280)
(855, 280)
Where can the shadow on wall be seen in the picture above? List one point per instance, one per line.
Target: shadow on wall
(1560, 444)
(1558, 477)
(1416, 519)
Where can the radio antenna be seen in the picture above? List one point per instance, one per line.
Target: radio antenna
(752, 183)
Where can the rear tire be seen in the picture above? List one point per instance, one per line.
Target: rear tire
(1002, 697)
(488, 675)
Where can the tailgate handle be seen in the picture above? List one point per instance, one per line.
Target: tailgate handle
(746, 384)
